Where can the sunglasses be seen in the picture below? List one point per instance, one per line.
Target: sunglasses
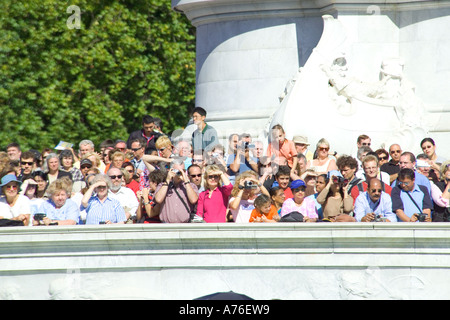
(11, 187)
(116, 177)
(324, 149)
(384, 158)
(27, 163)
(396, 151)
(376, 190)
(214, 176)
(196, 175)
(135, 149)
(101, 187)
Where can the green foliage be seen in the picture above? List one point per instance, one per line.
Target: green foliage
(129, 58)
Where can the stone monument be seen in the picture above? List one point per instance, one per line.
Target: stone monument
(322, 68)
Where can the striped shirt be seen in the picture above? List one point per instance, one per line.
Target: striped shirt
(108, 210)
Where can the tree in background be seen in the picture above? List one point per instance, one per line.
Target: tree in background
(127, 59)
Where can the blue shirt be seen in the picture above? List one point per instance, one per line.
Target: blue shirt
(69, 211)
(108, 210)
(138, 164)
(401, 200)
(365, 205)
(419, 179)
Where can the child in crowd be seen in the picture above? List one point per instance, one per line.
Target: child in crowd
(264, 210)
(282, 180)
(281, 149)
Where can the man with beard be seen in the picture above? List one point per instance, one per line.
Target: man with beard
(374, 205)
(126, 197)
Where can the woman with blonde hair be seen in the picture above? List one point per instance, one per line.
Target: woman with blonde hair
(59, 208)
(246, 188)
(212, 203)
(322, 164)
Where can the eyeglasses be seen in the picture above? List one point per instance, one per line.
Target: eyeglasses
(26, 163)
(116, 177)
(403, 183)
(214, 176)
(196, 175)
(11, 187)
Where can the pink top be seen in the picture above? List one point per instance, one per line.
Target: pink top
(307, 208)
(214, 208)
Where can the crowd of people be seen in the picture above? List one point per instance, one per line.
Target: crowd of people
(152, 177)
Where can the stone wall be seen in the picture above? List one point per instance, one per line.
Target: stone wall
(264, 261)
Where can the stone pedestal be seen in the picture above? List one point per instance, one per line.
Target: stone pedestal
(254, 56)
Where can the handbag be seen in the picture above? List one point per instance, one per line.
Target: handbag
(192, 216)
(10, 223)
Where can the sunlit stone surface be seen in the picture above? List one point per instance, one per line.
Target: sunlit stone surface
(272, 261)
(265, 62)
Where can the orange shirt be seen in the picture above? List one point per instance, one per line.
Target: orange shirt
(285, 150)
(256, 213)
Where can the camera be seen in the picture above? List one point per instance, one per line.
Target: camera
(340, 180)
(421, 216)
(249, 146)
(249, 185)
(379, 218)
(39, 216)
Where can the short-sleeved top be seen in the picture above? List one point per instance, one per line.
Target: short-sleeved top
(243, 212)
(256, 213)
(22, 206)
(401, 200)
(69, 211)
(108, 210)
(307, 208)
(287, 150)
(212, 204)
(172, 208)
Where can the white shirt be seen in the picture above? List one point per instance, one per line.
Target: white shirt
(22, 206)
(127, 199)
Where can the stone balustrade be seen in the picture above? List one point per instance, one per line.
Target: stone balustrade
(263, 261)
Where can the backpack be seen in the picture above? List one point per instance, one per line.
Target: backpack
(293, 216)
